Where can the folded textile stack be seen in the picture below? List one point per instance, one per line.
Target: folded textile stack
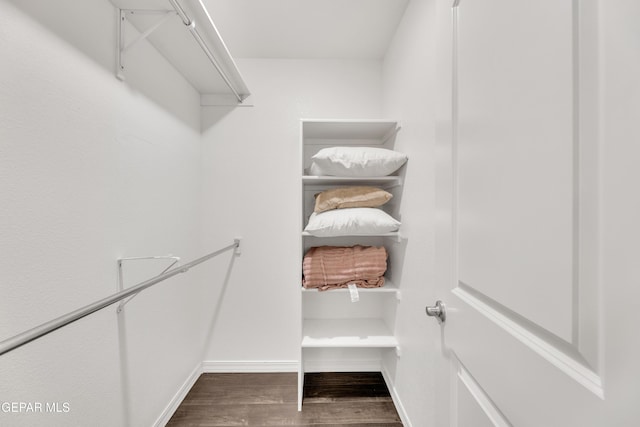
(332, 267)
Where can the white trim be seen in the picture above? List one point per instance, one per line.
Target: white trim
(564, 362)
(177, 399)
(396, 398)
(233, 366)
(484, 402)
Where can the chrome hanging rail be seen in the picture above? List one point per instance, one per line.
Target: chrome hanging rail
(191, 25)
(48, 327)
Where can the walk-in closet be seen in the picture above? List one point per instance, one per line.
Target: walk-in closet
(416, 213)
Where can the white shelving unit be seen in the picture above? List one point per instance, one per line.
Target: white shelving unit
(332, 326)
(184, 33)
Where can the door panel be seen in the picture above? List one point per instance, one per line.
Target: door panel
(515, 157)
(518, 161)
(517, 238)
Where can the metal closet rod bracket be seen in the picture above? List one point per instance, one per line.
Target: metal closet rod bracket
(124, 302)
(122, 48)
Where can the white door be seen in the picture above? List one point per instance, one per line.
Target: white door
(538, 250)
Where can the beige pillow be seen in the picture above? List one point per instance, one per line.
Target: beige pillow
(351, 197)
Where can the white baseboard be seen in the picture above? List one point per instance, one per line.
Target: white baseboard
(396, 399)
(177, 399)
(234, 366)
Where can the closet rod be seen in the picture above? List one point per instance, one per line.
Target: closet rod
(191, 25)
(48, 327)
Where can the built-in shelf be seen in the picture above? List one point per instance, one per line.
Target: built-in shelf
(388, 287)
(184, 33)
(383, 181)
(347, 333)
(363, 331)
(394, 234)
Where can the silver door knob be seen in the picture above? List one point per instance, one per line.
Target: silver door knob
(438, 311)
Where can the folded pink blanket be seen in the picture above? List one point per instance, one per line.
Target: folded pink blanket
(330, 267)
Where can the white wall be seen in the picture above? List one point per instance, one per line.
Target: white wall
(92, 169)
(252, 189)
(408, 76)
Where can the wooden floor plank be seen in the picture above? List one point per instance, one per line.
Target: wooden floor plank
(245, 379)
(247, 395)
(270, 400)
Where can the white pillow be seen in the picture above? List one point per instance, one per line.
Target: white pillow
(351, 221)
(356, 161)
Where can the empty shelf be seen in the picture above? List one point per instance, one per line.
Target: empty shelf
(355, 130)
(346, 333)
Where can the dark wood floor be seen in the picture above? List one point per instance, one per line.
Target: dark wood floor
(330, 400)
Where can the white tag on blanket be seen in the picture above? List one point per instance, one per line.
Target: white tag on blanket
(353, 291)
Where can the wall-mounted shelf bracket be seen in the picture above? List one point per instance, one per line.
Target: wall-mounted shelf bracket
(398, 352)
(124, 302)
(122, 47)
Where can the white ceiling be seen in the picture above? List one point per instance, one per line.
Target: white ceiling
(354, 29)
